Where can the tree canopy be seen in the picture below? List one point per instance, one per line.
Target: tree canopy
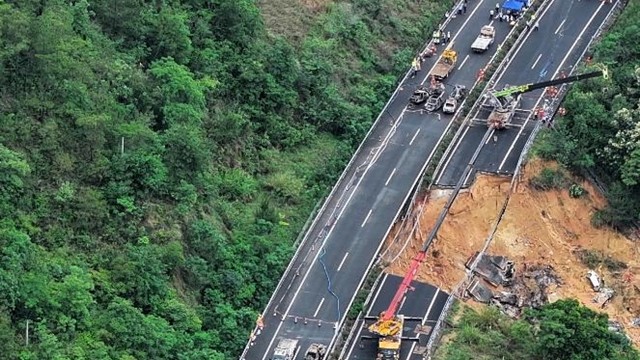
(600, 135)
(158, 159)
(563, 330)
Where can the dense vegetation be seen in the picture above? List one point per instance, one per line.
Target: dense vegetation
(601, 133)
(158, 158)
(558, 331)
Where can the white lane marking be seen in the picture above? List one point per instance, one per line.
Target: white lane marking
(463, 61)
(356, 339)
(491, 23)
(490, 136)
(508, 63)
(444, 166)
(513, 144)
(424, 319)
(390, 176)
(367, 218)
(560, 27)
(536, 62)
(402, 303)
(342, 262)
(315, 258)
(455, 36)
(318, 308)
(414, 137)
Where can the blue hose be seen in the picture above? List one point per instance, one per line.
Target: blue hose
(329, 286)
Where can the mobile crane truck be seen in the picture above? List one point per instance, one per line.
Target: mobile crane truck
(505, 101)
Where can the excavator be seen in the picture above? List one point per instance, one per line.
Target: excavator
(388, 326)
(504, 102)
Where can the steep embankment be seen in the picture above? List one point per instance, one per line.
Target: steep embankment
(539, 227)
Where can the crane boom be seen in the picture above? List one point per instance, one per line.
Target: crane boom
(404, 286)
(521, 89)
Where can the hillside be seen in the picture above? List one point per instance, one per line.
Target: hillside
(159, 159)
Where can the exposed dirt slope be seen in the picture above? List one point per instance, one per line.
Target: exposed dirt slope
(539, 227)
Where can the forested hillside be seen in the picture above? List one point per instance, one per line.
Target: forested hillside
(563, 330)
(158, 159)
(601, 133)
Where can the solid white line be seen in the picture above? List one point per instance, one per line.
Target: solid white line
(559, 27)
(553, 76)
(444, 166)
(463, 61)
(318, 308)
(424, 320)
(342, 262)
(390, 176)
(367, 218)
(536, 62)
(491, 23)
(414, 137)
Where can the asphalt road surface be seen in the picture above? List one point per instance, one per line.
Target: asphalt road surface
(342, 244)
(424, 304)
(565, 30)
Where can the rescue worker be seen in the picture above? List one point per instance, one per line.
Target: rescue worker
(436, 37)
(536, 26)
(491, 12)
(448, 36)
(415, 66)
(497, 7)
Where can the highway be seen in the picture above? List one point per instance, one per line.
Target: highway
(424, 302)
(311, 300)
(565, 30)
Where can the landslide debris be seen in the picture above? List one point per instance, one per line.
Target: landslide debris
(548, 236)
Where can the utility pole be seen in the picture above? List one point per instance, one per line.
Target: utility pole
(27, 333)
(122, 146)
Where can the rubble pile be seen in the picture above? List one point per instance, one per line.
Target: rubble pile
(513, 292)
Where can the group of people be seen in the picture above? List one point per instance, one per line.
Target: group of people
(511, 16)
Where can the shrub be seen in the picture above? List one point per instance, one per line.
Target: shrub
(576, 191)
(549, 179)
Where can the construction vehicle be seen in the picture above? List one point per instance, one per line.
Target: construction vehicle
(504, 102)
(459, 92)
(484, 40)
(388, 326)
(287, 349)
(445, 64)
(315, 352)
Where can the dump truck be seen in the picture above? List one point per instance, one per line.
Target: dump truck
(484, 40)
(287, 349)
(445, 64)
(505, 101)
(315, 352)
